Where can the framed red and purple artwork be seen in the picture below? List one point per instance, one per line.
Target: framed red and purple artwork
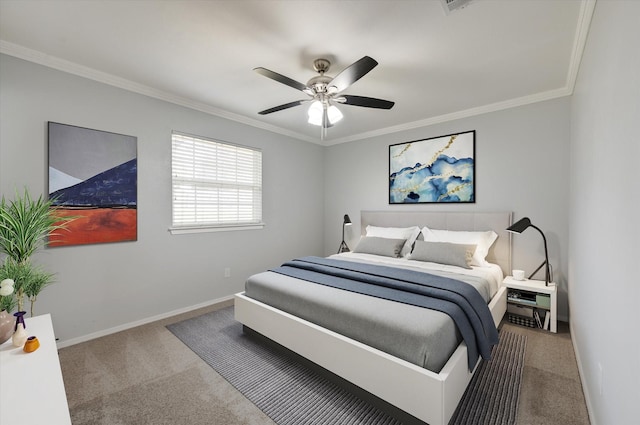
(93, 176)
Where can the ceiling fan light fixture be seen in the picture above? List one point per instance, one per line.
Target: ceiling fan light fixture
(324, 91)
(334, 114)
(315, 113)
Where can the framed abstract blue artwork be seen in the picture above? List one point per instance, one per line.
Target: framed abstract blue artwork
(436, 170)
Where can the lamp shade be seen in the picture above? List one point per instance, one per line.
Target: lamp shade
(519, 226)
(334, 114)
(315, 113)
(318, 109)
(347, 220)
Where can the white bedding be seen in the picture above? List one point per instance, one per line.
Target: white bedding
(415, 334)
(492, 273)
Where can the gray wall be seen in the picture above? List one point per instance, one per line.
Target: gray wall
(522, 165)
(605, 188)
(569, 164)
(101, 287)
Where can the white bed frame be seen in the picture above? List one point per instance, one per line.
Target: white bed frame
(430, 397)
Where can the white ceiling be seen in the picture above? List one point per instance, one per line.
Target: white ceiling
(435, 66)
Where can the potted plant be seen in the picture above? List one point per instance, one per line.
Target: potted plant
(28, 280)
(25, 224)
(7, 304)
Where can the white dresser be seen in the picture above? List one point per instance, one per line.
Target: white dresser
(31, 386)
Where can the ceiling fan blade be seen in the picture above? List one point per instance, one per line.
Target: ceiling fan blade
(367, 102)
(352, 73)
(281, 78)
(281, 107)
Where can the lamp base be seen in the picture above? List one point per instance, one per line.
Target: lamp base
(343, 247)
(547, 278)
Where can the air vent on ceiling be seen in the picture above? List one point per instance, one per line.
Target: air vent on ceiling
(451, 5)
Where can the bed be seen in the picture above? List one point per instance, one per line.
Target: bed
(429, 395)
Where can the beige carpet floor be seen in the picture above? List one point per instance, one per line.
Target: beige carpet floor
(147, 376)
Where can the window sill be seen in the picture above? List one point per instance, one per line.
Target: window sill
(208, 229)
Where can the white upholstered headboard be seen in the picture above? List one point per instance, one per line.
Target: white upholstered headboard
(500, 252)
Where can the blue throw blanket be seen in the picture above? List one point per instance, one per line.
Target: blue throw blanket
(459, 300)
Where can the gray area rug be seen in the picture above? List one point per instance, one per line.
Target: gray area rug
(291, 391)
(493, 393)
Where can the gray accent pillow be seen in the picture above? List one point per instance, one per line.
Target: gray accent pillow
(454, 254)
(380, 246)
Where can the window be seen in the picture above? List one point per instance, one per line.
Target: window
(216, 185)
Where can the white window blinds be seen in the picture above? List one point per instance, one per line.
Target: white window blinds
(215, 184)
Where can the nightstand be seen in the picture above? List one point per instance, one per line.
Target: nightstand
(531, 303)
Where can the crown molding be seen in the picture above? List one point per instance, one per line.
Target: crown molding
(582, 29)
(59, 64)
(579, 42)
(498, 106)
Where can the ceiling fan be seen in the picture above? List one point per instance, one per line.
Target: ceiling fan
(324, 91)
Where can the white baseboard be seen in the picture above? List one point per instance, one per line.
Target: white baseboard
(105, 332)
(585, 391)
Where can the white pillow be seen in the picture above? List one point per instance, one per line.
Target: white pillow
(483, 241)
(410, 234)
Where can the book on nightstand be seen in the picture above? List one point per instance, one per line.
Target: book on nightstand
(547, 321)
(536, 315)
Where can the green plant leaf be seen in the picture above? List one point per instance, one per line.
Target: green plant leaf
(25, 223)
